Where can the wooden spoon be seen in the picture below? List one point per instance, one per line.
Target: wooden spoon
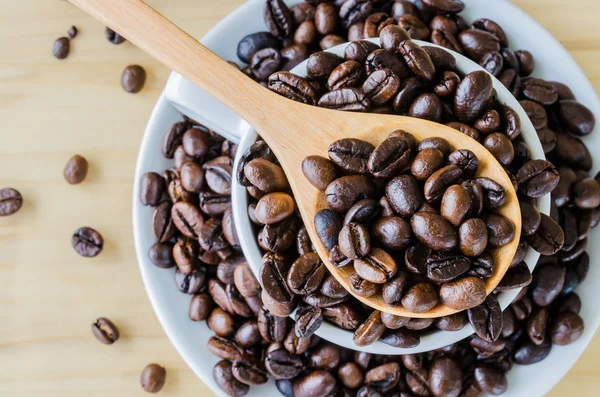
(294, 130)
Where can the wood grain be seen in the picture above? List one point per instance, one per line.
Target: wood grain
(52, 109)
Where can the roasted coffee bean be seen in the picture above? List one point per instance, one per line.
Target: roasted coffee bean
(190, 283)
(490, 380)
(352, 155)
(530, 218)
(445, 377)
(105, 331)
(133, 78)
(306, 33)
(401, 338)
(488, 123)
(224, 378)
(463, 294)
(359, 50)
(293, 87)
(265, 175)
(404, 194)
(87, 242)
(332, 288)
(417, 60)
(501, 230)
(278, 18)
(390, 157)
(384, 59)
(363, 212)
(308, 320)
(381, 86)
(252, 43)
(343, 192)
(328, 225)
(575, 117)
(446, 87)
(295, 344)
(377, 267)
(465, 160)
(354, 241)
(315, 383)
(416, 29)
(185, 253)
(486, 319)
(482, 266)
(501, 148)
(527, 353)
(540, 91)
(434, 231)
(465, 129)
(492, 62)
(152, 187)
(452, 323)
(61, 48)
(391, 36)
(303, 243)
(361, 287)
(392, 232)
(571, 151)
(76, 170)
(427, 107)
(549, 238)
(369, 331)
(536, 112)
(273, 277)
(346, 74)
(274, 207)
(345, 99)
(265, 62)
(548, 281)
(248, 373)
(427, 161)
(305, 274)
(566, 328)
(420, 298)
(586, 193)
(444, 267)
(446, 39)
(477, 43)
(494, 195)
(153, 378)
(353, 11)
(350, 375)
(244, 279)
(473, 96)
(160, 254)
(409, 90)
(321, 64)
(537, 324)
(439, 181)
(456, 205)
(326, 19)
(271, 327)
(281, 364)
(325, 356)
(113, 36)
(10, 201)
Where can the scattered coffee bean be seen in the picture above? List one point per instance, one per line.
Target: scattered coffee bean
(76, 169)
(133, 78)
(105, 331)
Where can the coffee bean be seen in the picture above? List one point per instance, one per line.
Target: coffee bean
(160, 254)
(492, 62)
(305, 274)
(328, 225)
(473, 95)
(113, 36)
(548, 281)
(353, 11)
(575, 117)
(486, 319)
(265, 62)
(10, 201)
(490, 380)
(153, 378)
(343, 192)
(540, 91)
(273, 278)
(409, 90)
(445, 377)
(391, 36)
(452, 323)
(404, 194)
(363, 212)
(61, 48)
(315, 383)
(384, 59)
(433, 231)
(76, 170)
(444, 267)
(381, 86)
(549, 238)
(500, 147)
(415, 28)
(72, 32)
(369, 331)
(477, 43)
(293, 87)
(105, 331)
(224, 378)
(87, 242)
(278, 18)
(420, 298)
(377, 267)
(566, 328)
(352, 155)
(401, 338)
(281, 364)
(354, 241)
(463, 294)
(456, 205)
(392, 232)
(359, 51)
(361, 287)
(133, 78)
(586, 193)
(345, 99)
(417, 60)
(152, 187)
(188, 219)
(252, 43)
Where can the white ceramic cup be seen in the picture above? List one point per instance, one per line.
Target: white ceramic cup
(221, 119)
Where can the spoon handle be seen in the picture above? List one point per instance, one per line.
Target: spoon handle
(163, 40)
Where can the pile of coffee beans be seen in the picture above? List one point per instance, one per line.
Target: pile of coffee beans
(256, 340)
(426, 195)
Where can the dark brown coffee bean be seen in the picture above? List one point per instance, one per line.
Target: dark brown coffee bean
(530, 218)
(321, 64)
(401, 338)
(72, 32)
(271, 327)
(465, 160)
(377, 267)
(392, 232)
(353, 11)
(486, 319)
(61, 47)
(444, 267)
(305, 274)
(293, 87)
(254, 42)
(566, 328)
(346, 74)
(326, 19)
(494, 195)
(10, 201)
(439, 181)
(427, 107)
(477, 43)
(409, 90)
(160, 254)
(420, 298)
(265, 62)
(363, 212)
(384, 59)
(586, 193)
(185, 253)
(548, 281)
(473, 96)
(153, 378)
(343, 192)
(381, 86)
(490, 380)
(456, 205)
(190, 283)
(359, 50)
(369, 331)
(281, 364)
(133, 78)
(87, 242)
(390, 157)
(571, 151)
(501, 230)
(575, 117)
(391, 36)
(500, 147)
(272, 277)
(452, 323)
(464, 293)
(549, 238)
(352, 155)
(527, 353)
(345, 99)
(540, 91)
(445, 377)
(417, 60)
(426, 163)
(361, 287)
(224, 378)
(433, 231)
(354, 241)
(248, 373)
(152, 187)
(492, 62)
(445, 7)
(105, 331)
(113, 36)
(274, 207)
(76, 170)
(315, 383)
(416, 29)
(465, 129)
(188, 219)
(404, 194)
(328, 225)
(278, 18)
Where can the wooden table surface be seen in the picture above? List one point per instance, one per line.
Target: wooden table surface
(51, 109)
